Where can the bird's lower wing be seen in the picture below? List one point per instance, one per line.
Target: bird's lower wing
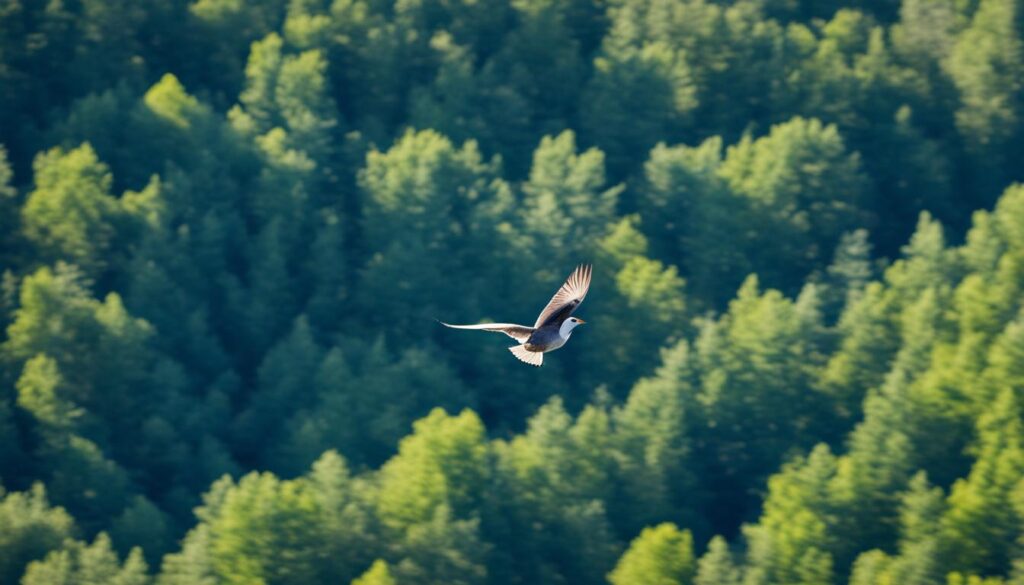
(518, 332)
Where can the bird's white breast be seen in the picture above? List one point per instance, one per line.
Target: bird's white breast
(557, 343)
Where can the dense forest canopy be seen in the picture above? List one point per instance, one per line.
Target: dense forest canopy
(226, 228)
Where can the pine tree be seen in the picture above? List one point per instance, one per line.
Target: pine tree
(568, 204)
(977, 530)
(71, 214)
(658, 74)
(377, 574)
(78, 563)
(192, 565)
(717, 567)
(662, 555)
(429, 208)
(810, 203)
(652, 446)
(264, 529)
(985, 65)
(691, 217)
(443, 550)
(31, 528)
(791, 543)
(441, 463)
(347, 525)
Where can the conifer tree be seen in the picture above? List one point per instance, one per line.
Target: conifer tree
(71, 214)
(662, 555)
(32, 528)
(78, 563)
(979, 526)
(377, 574)
(717, 567)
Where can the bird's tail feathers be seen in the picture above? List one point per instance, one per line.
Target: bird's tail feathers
(534, 358)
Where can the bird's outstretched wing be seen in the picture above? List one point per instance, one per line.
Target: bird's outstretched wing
(518, 332)
(567, 298)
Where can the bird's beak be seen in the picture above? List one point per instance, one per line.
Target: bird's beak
(582, 322)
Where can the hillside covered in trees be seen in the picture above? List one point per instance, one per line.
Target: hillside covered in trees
(226, 228)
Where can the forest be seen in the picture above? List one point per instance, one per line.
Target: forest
(227, 228)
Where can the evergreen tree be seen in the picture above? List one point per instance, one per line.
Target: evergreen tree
(692, 217)
(985, 65)
(792, 540)
(31, 528)
(429, 208)
(655, 72)
(661, 555)
(377, 574)
(762, 347)
(652, 446)
(264, 529)
(71, 214)
(977, 529)
(717, 567)
(441, 463)
(78, 563)
(809, 203)
(191, 566)
(567, 203)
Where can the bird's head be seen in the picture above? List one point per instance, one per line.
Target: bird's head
(571, 323)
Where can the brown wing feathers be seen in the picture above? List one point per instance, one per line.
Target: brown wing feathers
(568, 297)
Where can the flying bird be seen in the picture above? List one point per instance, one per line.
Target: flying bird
(553, 326)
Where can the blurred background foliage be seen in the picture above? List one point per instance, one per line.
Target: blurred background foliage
(226, 228)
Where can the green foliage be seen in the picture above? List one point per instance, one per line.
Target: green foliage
(978, 520)
(38, 388)
(652, 447)
(662, 555)
(191, 566)
(657, 74)
(226, 229)
(567, 204)
(985, 65)
(71, 214)
(443, 463)
(78, 563)
(429, 208)
(791, 542)
(554, 478)
(260, 531)
(443, 550)
(804, 188)
(9, 216)
(692, 217)
(29, 528)
(377, 574)
(717, 567)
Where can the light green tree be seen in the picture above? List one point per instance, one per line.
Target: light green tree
(810, 202)
(71, 214)
(78, 563)
(377, 574)
(662, 555)
(31, 528)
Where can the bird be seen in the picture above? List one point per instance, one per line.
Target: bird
(554, 325)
